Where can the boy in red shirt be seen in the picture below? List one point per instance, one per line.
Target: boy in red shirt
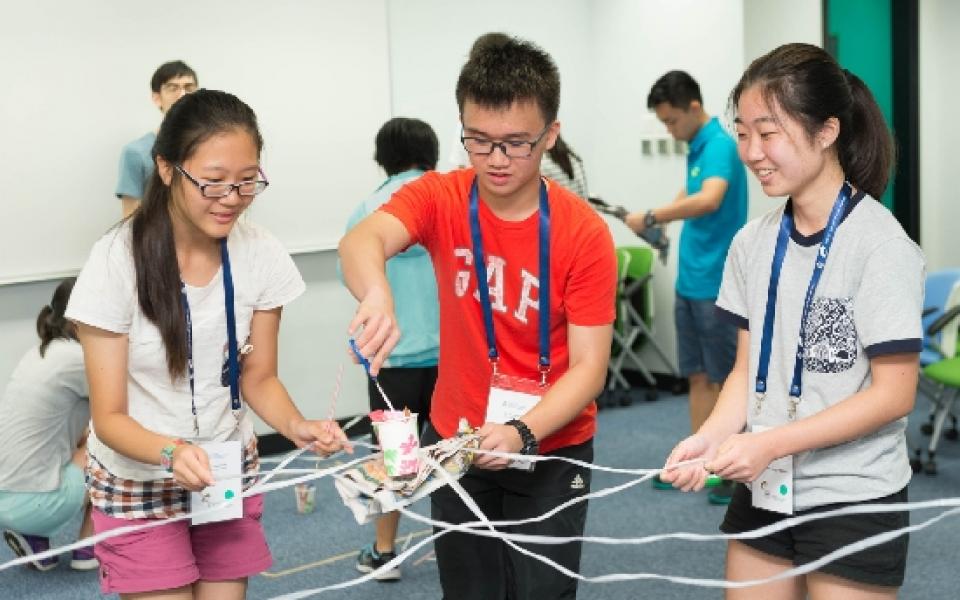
(522, 355)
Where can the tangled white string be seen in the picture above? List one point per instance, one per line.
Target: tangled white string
(484, 527)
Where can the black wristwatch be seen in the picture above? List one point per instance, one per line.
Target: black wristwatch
(530, 444)
(649, 219)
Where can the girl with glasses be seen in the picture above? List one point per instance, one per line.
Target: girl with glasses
(161, 301)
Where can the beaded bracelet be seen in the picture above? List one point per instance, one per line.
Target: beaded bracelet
(166, 454)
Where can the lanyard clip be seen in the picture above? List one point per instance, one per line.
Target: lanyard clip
(792, 408)
(759, 403)
(544, 369)
(494, 361)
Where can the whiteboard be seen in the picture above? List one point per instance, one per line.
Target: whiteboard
(76, 90)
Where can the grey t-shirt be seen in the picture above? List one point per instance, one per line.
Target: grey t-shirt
(45, 409)
(868, 303)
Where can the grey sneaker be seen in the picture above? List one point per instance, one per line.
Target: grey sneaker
(369, 560)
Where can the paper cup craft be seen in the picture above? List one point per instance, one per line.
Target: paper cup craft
(397, 433)
(369, 493)
(306, 497)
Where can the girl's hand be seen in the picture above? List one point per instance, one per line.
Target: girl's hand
(742, 457)
(191, 467)
(691, 477)
(326, 436)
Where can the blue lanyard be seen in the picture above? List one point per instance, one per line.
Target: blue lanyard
(233, 362)
(766, 341)
(480, 264)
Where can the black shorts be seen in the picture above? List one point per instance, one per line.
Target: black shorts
(882, 565)
(407, 388)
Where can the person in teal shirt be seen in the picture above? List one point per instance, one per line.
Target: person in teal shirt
(405, 149)
(170, 82)
(713, 207)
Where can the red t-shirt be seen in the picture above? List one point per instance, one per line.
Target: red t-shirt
(435, 211)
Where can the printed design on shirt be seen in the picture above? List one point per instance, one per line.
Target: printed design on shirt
(695, 171)
(830, 334)
(496, 272)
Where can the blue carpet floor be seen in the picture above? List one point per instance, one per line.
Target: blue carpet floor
(319, 549)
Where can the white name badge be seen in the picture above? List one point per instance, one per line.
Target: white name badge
(511, 398)
(773, 490)
(225, 466)
(504, 405)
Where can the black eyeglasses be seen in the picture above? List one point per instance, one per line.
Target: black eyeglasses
(511, 148)
(247, 189)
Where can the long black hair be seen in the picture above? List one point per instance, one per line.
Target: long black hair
(192, 120)
(810, 86)
(51, 324)
(561, 154)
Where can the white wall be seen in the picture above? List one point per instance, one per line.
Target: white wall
(83, 73)
(939, 129)
(429, 41)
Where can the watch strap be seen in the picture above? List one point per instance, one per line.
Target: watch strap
(530, 444)
(649, 219)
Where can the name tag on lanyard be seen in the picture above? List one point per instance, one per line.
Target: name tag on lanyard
(511, 397)
(773, 490)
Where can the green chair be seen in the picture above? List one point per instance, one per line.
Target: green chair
(947, 373)
(940, 363)
(633, 327)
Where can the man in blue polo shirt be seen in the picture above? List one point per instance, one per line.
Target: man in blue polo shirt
(713, 206)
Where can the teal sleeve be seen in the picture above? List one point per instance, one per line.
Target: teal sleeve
(130, 182)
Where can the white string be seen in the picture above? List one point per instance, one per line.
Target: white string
(508, 539)
(485, 527)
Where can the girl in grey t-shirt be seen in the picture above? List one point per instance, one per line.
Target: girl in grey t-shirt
(827, 293)
(45, 410)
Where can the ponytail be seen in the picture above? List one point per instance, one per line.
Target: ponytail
(51, 322)
(865, 147)
(158, 273)
(561, 154)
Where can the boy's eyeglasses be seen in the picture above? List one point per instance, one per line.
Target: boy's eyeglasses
(172, 88)
(247, 189)
(510, 148)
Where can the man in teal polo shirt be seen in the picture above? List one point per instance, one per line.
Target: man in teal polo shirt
(713, 206)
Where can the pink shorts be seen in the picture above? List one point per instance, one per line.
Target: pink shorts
(174, 555)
